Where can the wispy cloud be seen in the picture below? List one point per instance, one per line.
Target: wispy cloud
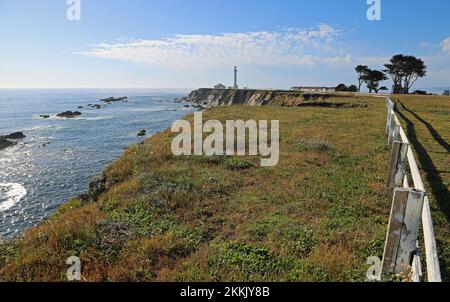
(446, 45)
(285, 47)
(426, 45)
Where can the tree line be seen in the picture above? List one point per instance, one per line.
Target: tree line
(403, 70)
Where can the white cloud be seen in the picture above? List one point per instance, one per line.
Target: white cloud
(287, 47)
(446, 45)
(425, 45)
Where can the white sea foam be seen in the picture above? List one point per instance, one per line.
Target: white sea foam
(57, 118)
(97, 118)
(12, 193)
(149, 110)
(44, 127)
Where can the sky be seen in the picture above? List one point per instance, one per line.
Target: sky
(195, 43)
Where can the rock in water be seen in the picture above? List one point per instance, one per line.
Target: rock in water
(69, 114)
(15, 135)
(113, 99)
(7, 141)
(142, 133)
(44, 116)
(4, 143)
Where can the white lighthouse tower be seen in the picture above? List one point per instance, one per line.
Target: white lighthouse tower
(235, 78)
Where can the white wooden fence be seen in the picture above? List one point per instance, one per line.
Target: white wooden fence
(410, 210)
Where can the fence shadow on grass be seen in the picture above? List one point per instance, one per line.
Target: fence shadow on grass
(438, 188)
(430, 128)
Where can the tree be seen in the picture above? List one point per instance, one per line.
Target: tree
(373, 78)
(361, 70)
(413, 69)
(404, 72)
(341, 87)
(344, 88)
(352, 88)
(394, 70)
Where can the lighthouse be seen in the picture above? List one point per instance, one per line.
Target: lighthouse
(235, 78)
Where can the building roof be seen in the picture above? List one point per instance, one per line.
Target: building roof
(312, 87)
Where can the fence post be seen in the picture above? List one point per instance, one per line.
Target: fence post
(417, 273)
(389, 111)
(397, 166)
(403, 231)
(391, 129)
(396, 132)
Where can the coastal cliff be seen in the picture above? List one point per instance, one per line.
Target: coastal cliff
(210, 97)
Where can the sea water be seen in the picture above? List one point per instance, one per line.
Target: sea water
(59, 157)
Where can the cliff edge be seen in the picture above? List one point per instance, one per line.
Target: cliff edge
(223, 97)
(210, 97)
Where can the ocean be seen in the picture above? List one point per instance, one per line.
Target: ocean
(59, 157)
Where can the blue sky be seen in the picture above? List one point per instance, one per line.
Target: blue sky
(196, 43)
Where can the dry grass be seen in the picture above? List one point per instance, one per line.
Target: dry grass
(317, 216)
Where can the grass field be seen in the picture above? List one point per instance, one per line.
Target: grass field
(317, 216)
(427, 123)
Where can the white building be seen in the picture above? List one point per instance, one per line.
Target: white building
(313, 89)
(220, 86)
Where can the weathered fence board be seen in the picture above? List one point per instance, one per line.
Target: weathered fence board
(411, 227)
(397, 167)
(394, 231)
(417, 273)
(403, 231)
(433, 269)
(391, 130)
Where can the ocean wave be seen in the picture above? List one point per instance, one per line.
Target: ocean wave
(12, 193)
(97, 118)
(153, 109)
(148, 110)
(57, 118)
(44, 127)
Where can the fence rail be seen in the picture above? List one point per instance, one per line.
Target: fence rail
(410, 210)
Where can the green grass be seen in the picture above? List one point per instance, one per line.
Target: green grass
(316, 216)
(234, 163)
